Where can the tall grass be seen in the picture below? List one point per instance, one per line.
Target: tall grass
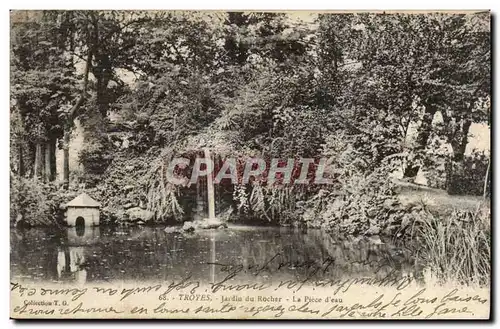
(456, 247)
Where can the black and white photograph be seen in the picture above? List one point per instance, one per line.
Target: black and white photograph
(328, 165)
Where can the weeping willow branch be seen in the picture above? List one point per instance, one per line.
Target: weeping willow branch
(162, 196)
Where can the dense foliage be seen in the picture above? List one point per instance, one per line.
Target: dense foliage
(361, 90)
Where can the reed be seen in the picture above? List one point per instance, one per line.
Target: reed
(455, 247)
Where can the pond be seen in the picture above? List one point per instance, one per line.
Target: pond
(146, 254)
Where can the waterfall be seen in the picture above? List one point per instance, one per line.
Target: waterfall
(210, 186)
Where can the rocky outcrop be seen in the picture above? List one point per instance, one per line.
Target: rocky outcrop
(137, 213)
(188, 227)
(191, 226)
(208, 224)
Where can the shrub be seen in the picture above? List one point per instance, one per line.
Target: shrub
(95, 157)
(29, 201)
(363, 204)
(467, 177)
(459, 178)
(363, 198)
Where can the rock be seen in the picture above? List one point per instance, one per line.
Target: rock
(138, 213)
(172, 229)
(208, 224)
(137, 222)
(188, 227)
(205, 224)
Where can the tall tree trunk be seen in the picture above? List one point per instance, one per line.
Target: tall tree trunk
(456, 180)
(236, 50)
(38, 166)
(20, 159)
(53, 165)
(66, 158)
(424, 133)
(102, 98)
(460, 144)
(42, 161)
(48, 171)
(71, 117)
(35, 165)
(29, 160)
(102, 72)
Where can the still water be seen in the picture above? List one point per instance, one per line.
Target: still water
(145, 254)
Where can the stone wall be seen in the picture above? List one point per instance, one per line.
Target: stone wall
(90, 215)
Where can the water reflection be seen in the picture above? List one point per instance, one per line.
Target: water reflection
(81, 235)
(104, 254)
(70, 264)
(71, 261)
(80, 229)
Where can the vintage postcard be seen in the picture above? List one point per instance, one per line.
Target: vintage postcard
(250, 165)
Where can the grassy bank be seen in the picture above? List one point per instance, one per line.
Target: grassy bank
(451, 233)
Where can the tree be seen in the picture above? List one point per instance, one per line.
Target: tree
(456, 81)
(100, 41)
(401, 69)
(41, 85)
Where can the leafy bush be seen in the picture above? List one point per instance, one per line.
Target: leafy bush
(366, 205)
(269, 203)
(123, 182)
(363, 198)
(28, 199)
(37, 203)
(468, 177)
(95, 157)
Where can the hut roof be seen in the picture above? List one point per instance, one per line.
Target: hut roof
(83, 200)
